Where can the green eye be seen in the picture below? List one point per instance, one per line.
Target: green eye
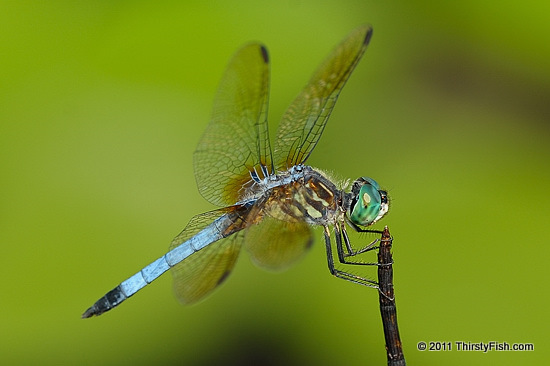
(369, 203)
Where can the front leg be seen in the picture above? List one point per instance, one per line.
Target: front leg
(338, 273)
(340, 231)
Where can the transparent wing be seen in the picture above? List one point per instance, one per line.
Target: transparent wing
(304, 121)
(275, 244)
(203, 271)
(236, 142)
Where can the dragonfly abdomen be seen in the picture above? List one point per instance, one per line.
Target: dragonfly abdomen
(213, 232)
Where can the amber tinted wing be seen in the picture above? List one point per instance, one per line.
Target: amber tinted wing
(304, 121)
(236, 141)
(274, 244)
(204, 270)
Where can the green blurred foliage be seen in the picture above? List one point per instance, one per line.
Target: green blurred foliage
(102, 103)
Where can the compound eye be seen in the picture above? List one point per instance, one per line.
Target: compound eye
(367, 205)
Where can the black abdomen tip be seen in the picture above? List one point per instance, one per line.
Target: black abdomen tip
(110, 300)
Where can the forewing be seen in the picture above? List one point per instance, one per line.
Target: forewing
(204, 270)
(275, 244)
(236, 141)
(304, 121)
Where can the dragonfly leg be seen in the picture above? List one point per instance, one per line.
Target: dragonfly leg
(338, 273)
(369, 247)
(348, 251)
(360, 230)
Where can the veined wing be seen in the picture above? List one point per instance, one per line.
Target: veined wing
(208, 267)
(305, 119)
(236, 142)
(275, 244)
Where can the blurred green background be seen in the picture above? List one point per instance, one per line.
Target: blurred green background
(102, 104)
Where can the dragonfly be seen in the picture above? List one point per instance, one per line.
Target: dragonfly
(269, 198)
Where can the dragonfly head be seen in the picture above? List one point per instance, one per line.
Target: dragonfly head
(368, 202)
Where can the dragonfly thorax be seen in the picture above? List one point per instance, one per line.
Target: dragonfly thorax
(300, 193)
